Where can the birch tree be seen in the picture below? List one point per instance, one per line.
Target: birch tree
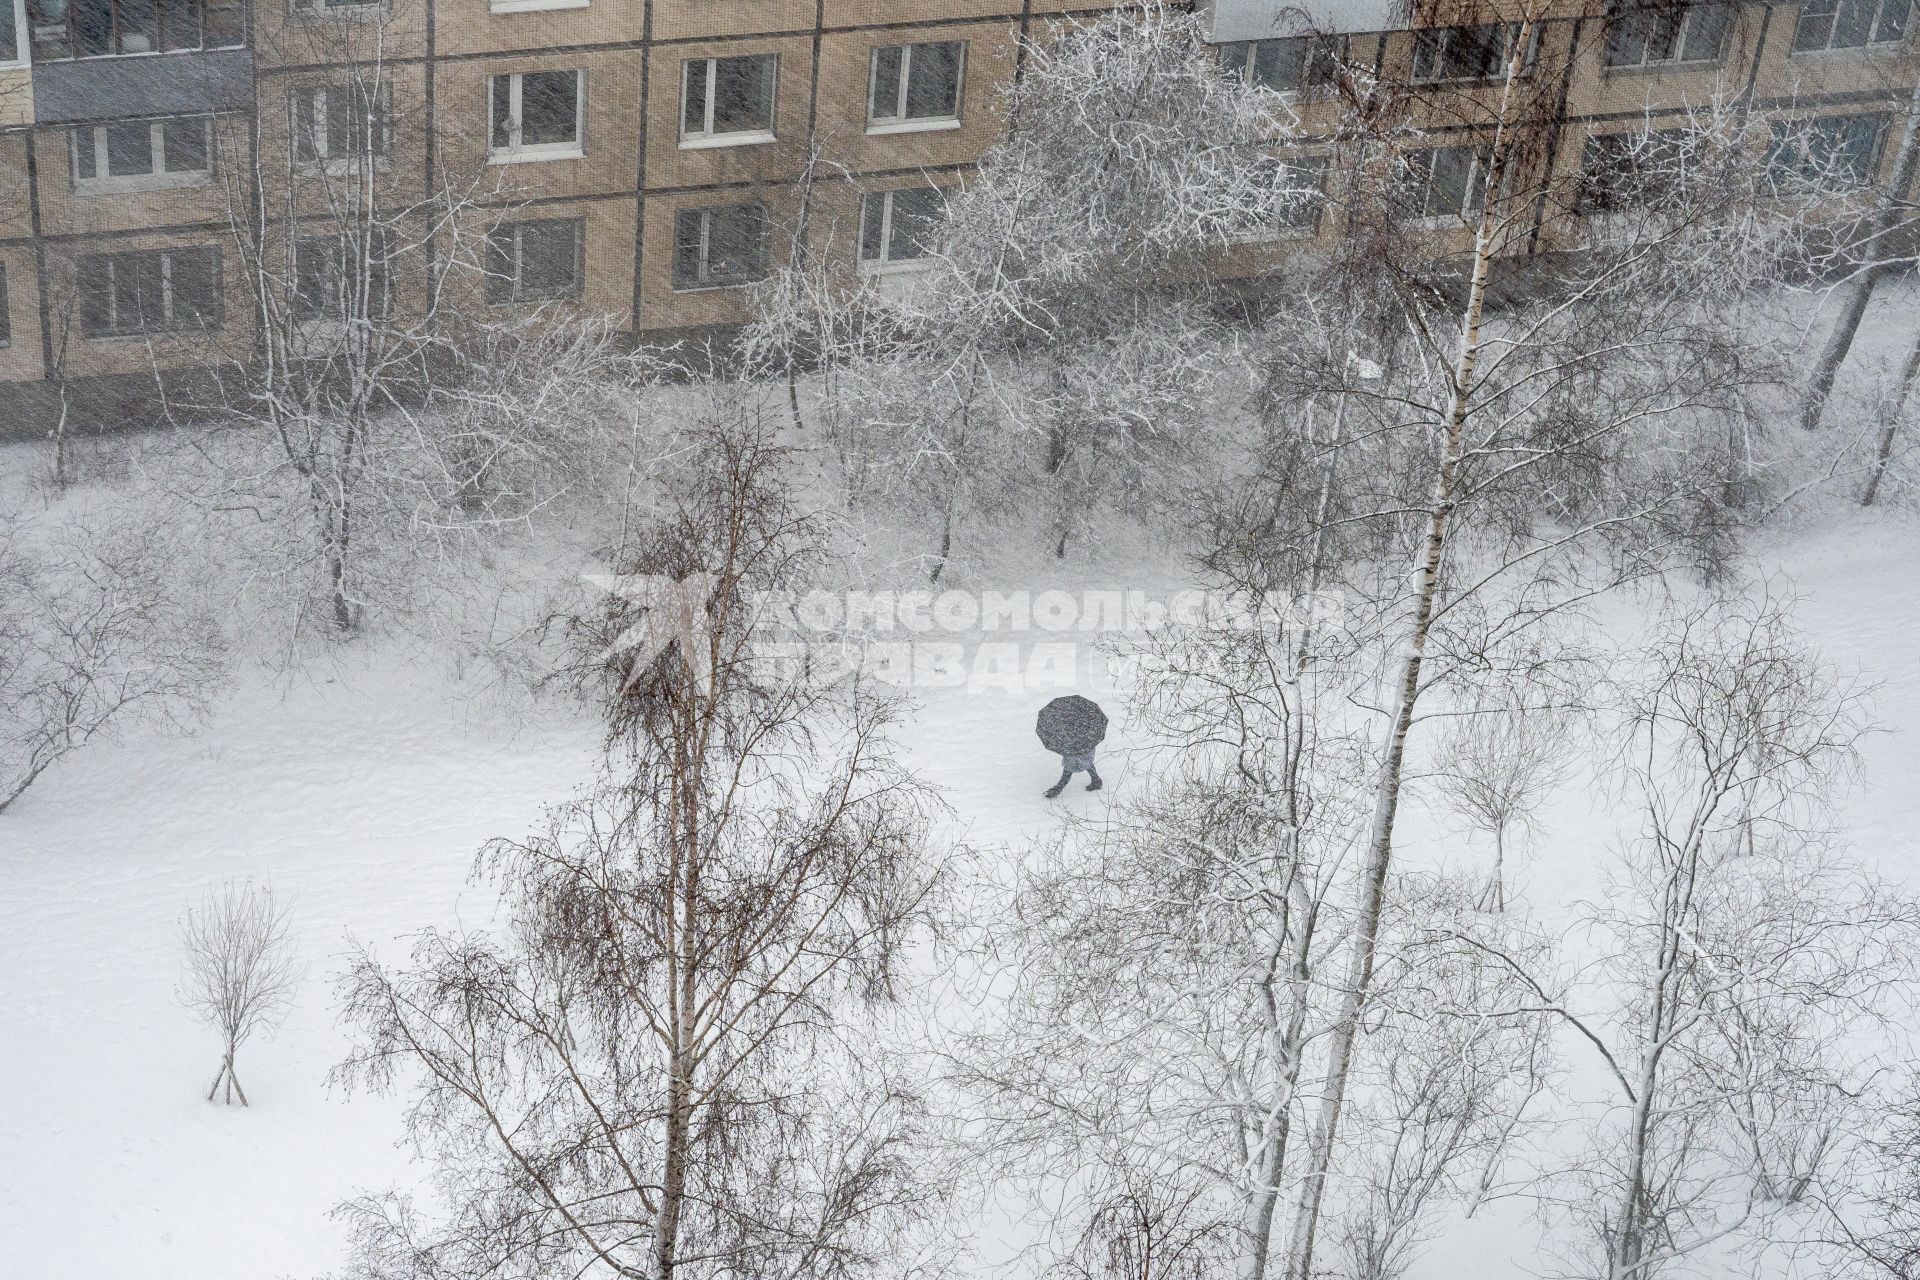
(1756, 967)
(664, 1063)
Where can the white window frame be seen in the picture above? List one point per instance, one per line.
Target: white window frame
(1689, 16)
(157, 179)
(22, 37)
(1828, 46)
(324, 160)
(348, 9)
(534, 6)
(518, 152)
(706, 137)
(885, 265)
(1321, 50)
(901, 122)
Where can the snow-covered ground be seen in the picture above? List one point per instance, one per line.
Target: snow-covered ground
(364, 790)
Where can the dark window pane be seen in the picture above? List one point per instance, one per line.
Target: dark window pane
(83, 159)
(885, 104)
(137, 24)
(933, 81)
(96, 295)
(6, 319)
(223, 24)
(1893, 20)
(179, 23)
(549, 258)
(185, 145)
(500, 258)
(307, 125)
(1853, 23)
(502, 112)
(1707, 28)
(92, 27)
(1816, 25)
(1627, 40)
(1279, 64)
(688, 247)
(316, 275)
(734, 242)
(743, 94)
(693, 115)
(1233, 57)
(9, 35)
(129, 149)
(915, 215)
(549, 108)
(872, 226)
(193, 276)
(137, 292)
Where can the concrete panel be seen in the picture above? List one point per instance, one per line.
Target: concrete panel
(143, 85)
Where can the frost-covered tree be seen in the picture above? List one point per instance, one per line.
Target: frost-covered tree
(664, 1062)
(98, 633)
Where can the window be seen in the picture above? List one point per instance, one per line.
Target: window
(1292, 65)
(1446, 183)
(727, 100)
(536, 115)
(340, 278)
(1462, 53)
(13, 20)
(333, 6)
(1283, 197)
(535, 261)
(1850, 24)
(896, 227)
(339, 124)
(916, 86)
(716, 247)
(1829, 150)
(1655, 33)
(1620, 171)
(150, 291)
(6, 310)
(137, 155)
(106, 28)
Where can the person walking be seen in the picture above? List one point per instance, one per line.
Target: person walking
(1072, 727)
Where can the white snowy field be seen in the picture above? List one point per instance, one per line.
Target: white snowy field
(363, 791)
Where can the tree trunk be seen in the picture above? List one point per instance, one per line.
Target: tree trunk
(1885, 220)
(1379, 856)
(1884, 453)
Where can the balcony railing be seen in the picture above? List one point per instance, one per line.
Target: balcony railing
(67, 29)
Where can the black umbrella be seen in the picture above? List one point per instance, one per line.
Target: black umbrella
(1071, 725)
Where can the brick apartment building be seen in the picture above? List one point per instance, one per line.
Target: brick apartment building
(650, 150)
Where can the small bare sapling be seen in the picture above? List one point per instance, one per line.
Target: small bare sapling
(240, 969)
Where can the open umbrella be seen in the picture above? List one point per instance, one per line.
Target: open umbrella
(1071, 725)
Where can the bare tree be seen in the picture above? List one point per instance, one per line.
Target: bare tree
(241, 971)
(1496, 767)
(97, 632)
(663, 1065)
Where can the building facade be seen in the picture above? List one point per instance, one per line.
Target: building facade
(654, 153)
